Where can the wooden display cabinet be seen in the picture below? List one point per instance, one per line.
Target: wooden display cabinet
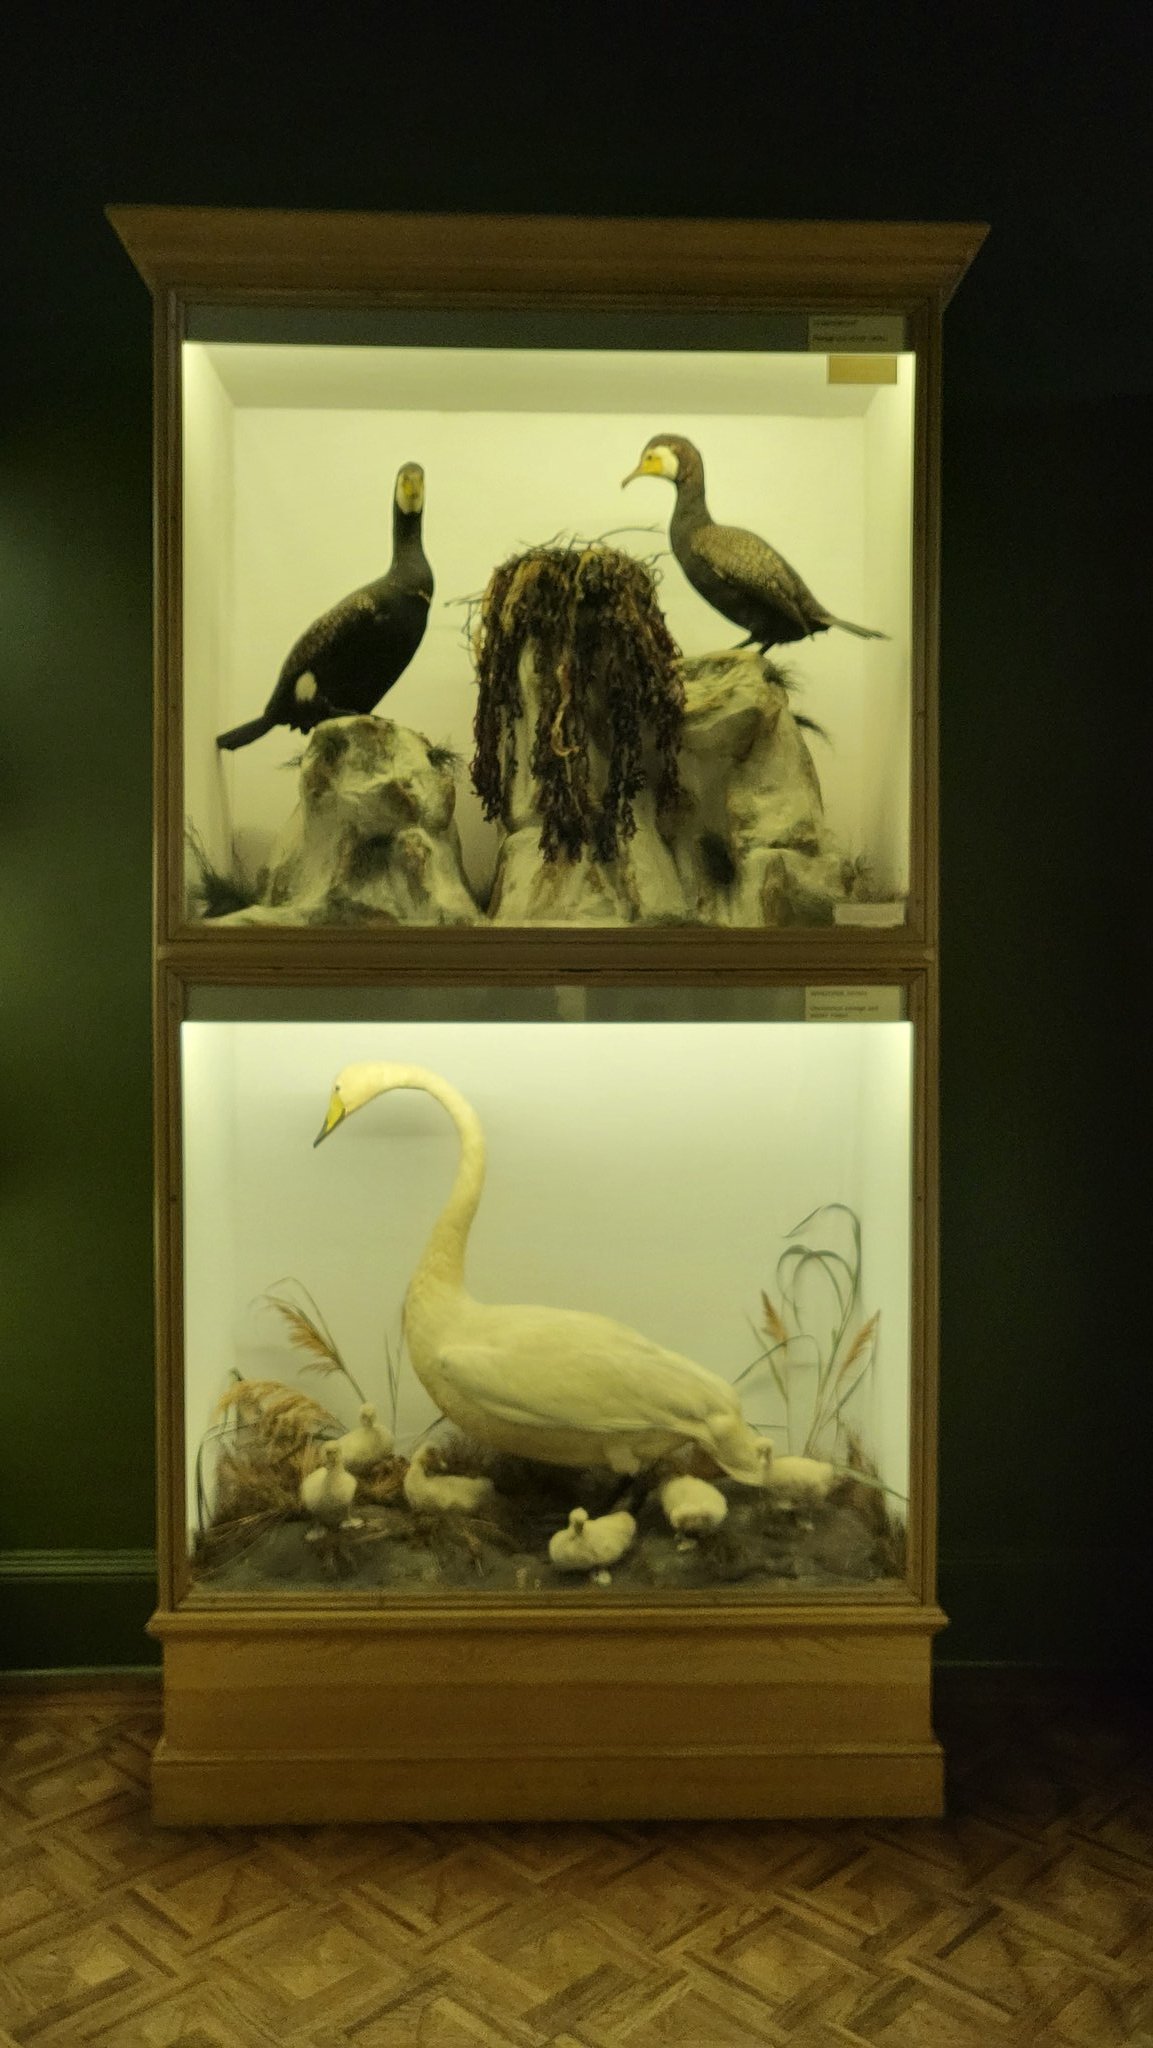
(342, 1705)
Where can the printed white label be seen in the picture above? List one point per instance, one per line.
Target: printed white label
(863, 1005)
(832, 334)
(881, 915)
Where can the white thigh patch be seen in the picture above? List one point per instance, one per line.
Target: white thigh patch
(305, 689)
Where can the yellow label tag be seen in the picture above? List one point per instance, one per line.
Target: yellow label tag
(862, 369)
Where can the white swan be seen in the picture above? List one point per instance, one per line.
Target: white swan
(550, 1383)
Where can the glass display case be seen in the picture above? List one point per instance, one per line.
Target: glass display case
(789, 758)
(546, 1013)
(704, 1180)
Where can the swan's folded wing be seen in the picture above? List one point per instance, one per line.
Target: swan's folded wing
(571, 1382)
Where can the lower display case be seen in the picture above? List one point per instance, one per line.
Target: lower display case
(547, 1376)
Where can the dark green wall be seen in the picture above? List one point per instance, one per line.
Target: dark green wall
(807, 110)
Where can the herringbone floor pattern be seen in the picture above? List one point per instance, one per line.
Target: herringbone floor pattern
(1023, 1921)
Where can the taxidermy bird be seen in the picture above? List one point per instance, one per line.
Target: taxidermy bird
(556, 1384)
(352, 655)
(588, 1546)
(692, 1506)
(328, 1493)
(735, 571)
(796, 1476)
(365, 1446)
(443, 1492)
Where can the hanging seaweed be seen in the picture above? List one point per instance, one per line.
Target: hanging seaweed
(611, 699)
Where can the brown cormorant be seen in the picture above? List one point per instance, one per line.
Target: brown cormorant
(352, 655)
(735, 571)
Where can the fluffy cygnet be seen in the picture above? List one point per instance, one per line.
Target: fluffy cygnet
(443, 1492)
(586, 1546)
(795, 1476)
(328, 1493)
(692, 1506)
(365, 1446)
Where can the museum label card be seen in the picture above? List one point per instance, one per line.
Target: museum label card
(833, 334)
(877, 915)
(882, 1004)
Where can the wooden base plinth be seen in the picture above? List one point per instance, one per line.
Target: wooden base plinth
(299, 1714)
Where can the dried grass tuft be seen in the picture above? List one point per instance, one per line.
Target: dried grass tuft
(384, 1485)
(223, 1542)
(250, 1482)
(277, 1414)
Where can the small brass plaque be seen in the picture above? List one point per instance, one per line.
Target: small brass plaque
(862, 369)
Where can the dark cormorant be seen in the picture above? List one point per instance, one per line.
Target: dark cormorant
(735, 571)
(351, 655)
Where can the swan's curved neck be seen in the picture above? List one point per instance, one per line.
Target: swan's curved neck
(442, 1261)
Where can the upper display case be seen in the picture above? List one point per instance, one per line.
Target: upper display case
(432, 669)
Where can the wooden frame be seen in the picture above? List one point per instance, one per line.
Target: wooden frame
(719, 1705)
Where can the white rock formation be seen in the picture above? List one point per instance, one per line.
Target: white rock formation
(372, 838)
(756, 801)
(749, 847)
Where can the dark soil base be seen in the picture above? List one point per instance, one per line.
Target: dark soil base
(767, 1539)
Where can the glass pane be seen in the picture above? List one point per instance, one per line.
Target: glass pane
(736, 1193)
(538, 751)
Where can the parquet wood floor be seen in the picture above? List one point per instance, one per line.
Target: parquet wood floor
(1025, 1920)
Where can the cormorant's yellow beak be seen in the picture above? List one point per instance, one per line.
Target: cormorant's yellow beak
(649, 465)
(410, 490)
(336, 1115)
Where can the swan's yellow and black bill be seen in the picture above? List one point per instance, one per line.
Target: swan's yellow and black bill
(336, 1115)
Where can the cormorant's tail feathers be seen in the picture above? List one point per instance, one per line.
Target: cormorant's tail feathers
(847, 626)
(243, 735)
